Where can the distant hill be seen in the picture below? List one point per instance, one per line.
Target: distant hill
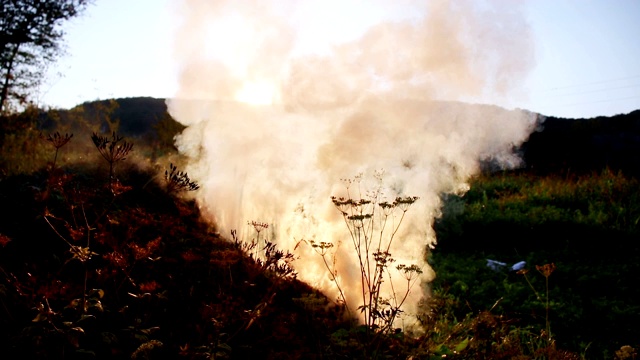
(137, 115)
(143, 118)
(585, 145)
(561, 145)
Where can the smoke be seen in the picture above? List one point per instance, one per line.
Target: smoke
(282, 99)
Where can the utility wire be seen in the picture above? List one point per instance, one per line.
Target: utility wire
(594, 91)
(556, 92)
(592, 83)
(594, 102)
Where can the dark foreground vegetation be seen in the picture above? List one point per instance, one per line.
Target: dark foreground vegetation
(103, 256)
(586, 225)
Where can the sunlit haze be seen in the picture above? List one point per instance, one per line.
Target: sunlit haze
(584, 53)
(282, 99)
(278, 111)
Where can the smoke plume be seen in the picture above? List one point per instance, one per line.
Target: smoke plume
(282, 99)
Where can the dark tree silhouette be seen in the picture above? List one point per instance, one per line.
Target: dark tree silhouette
(30, 37)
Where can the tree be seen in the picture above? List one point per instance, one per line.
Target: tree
(30, 37)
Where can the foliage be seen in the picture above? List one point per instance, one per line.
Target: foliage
(103, 115)
(179, 180)
(372, 224)
(22, 152)
(57, 141)
(166, 129)
(546, 271)
(581, 146)
(585, 224)
(20, 148)
(86, 273)
(366, 219)
(112, 150)
(31, 38)
(481, 335)
(607, 200)
(272, 261)
(137, 273)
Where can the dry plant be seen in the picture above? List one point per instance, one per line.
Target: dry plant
(58, 141)
(179, 180)
(546, 271)
(112, 150)
(373, 226)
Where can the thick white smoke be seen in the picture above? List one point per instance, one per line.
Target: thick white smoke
(282, 99)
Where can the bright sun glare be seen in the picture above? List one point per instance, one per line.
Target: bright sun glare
(257, 93)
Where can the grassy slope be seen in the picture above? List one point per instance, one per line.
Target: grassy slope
(164, 276)
(587, 225)
(160, 283)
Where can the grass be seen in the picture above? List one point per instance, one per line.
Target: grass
(95, 269)
(158, 281)
(587, 225)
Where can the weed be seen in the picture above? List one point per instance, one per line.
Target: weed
(269, 258)
(366, 219)
(141, 276)
(112, 150)
(546, 271)
(626, 352)
(322, 249)
(178, 180)
(372, 224)
(57, 141)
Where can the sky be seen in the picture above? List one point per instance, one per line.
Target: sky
(586, 56)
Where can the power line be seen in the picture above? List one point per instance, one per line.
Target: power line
(595, 91)
(592, 83)
(594, 102)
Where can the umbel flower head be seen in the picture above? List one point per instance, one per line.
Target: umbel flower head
(546, 270)
(114, 149)
(179, 180)
(58, 140)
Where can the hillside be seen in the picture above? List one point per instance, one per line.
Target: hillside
(92, 273)
(94, 267)
(585, 145)
(137, 115)
(141, 117)
(559, 145)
